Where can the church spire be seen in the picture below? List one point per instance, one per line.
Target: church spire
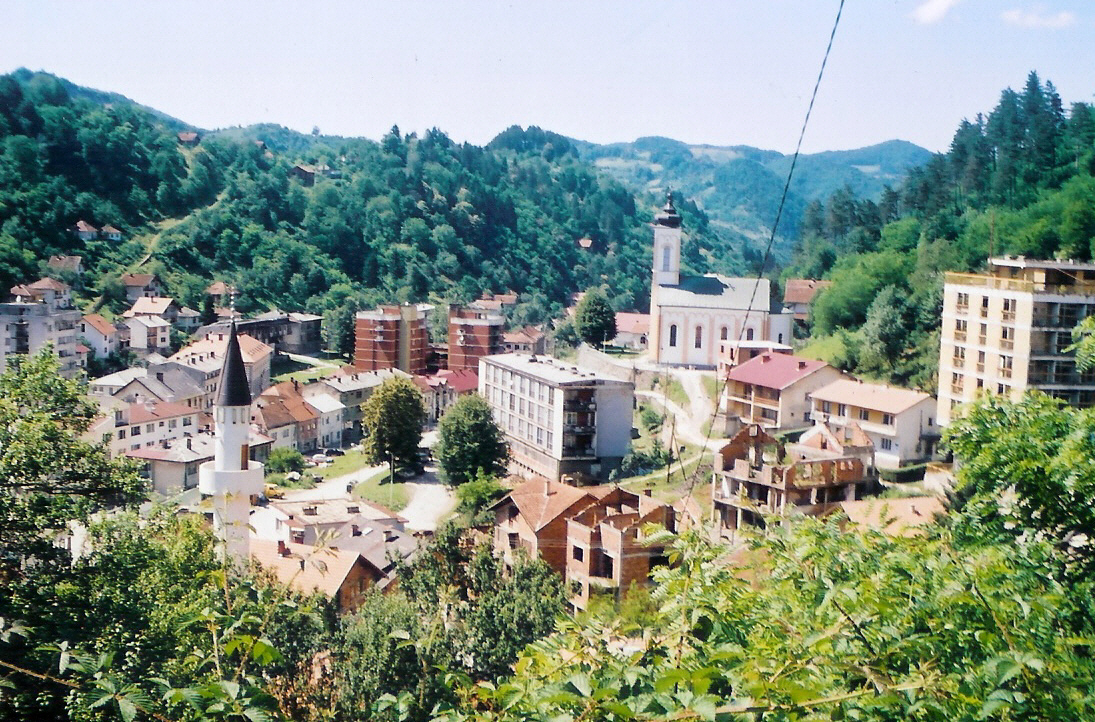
(667, 245)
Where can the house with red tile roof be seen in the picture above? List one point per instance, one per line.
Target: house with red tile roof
(100, 334)
(282, 413)
(141, 284)
(799, 293)
(340, 575)
(189, 138)
(110, 233)
(70, 264)
(774, 389)
(144, 424)
(632, 330)
(900, 422)
(85, 231)
(528, 339)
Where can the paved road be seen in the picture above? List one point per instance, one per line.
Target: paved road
(430, 501)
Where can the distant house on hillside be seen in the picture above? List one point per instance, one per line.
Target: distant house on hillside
(189, 138)
(632, 330)
(799, 293)
(110, 233)
(141, 284)
(306, 174)
(85, 231)
(71, 264)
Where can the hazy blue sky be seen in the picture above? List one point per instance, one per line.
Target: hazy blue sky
(722, 72)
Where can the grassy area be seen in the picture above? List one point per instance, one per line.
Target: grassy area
(824, 348)
(348, 463)
(377, 490)
(673, 390)
(711, 387)
(284, 368)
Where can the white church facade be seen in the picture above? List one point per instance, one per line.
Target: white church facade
(693, 319)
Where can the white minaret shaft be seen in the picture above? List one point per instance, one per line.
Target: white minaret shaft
(231, 478)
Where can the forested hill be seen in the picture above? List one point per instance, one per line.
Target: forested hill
(739, 187)
(404, 219)
(1017, 180)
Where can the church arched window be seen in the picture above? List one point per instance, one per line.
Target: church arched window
(780, 339)
(673, 335)
(666, 253)
(748, 334)
(699, 336)
(723, 335)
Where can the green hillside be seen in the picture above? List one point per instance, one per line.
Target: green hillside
(739, 187)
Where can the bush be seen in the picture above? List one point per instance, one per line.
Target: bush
(284, 460)
(643, 462)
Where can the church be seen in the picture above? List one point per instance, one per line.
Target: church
(694, 319)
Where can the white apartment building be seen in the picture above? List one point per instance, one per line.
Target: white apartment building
(559, 419)
(1007, 331)
(41, 314)
(899, 422)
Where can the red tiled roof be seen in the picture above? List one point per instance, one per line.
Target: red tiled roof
(461, 381)
(100, 324)
(110, 229)
(774, 370)
(802, 290)
(528, 334)
(85, 227)
(632, 322)
(895, 517)
(138, 279)
(188, 136)
(139, 413)
(65, 263)
(51, 284)
(586, 242)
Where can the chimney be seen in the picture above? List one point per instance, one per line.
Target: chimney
(648, 491)
(389, 535)
(802, 364)
(159, 376)
(283, 551)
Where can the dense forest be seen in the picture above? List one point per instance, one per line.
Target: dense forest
(403, 219)
(1017, 181)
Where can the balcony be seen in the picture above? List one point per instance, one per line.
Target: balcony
(579, 405)
(1005, 373)
(956, 388)
(1007, 344)
(578, 452)
(1008, 316)
(960, 336)
(579, 428)
(1084, 288)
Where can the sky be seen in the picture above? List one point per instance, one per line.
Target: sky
(719, 72)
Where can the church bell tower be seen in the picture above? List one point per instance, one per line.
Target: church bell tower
(667, 245)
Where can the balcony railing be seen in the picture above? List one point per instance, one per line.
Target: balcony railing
(1007, 344)
(1086, 288)
(960, 336)
(578, 405)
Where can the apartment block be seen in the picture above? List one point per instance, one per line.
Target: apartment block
(1008, 330)
(40, 314)
(392, 337)
(559, 419)
(473, 334)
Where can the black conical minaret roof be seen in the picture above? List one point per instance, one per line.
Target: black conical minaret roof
(234, 390)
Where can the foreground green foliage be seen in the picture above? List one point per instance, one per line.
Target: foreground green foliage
(824, 625)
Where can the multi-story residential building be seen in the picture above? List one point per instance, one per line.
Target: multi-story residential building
(774, 389)
(899, 422)
(283, 405)
(141, 284)
(1009, 330)
(132, 426)
(392, 337)
(207, 356)
(172, 464)
(558, 419)
(473, 334)
(149, 334)
(352, 388)
(591, 536)
(285, 332)
(101, 335)
(329, 424)
(41, 314)
(757, 475)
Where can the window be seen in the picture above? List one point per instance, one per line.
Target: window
(748, 334)
(887, 444)
(135, 431)
(699, 336)
(579, 554)
(864, 415)
(673, 335)
(723, 334)
(841, 410)
(513, 540)
(887, 419)
(826, 407)
(150, 428)
(667, 253)
(121, 434)
(963, 300)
